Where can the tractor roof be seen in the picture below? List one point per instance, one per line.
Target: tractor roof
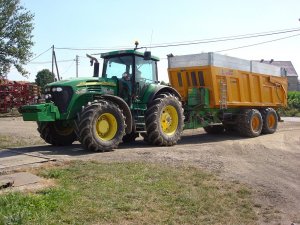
(126, 52)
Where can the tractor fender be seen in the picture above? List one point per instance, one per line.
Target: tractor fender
(164, 89)
(123, 106)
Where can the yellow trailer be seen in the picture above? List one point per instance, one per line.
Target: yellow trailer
(221, 92)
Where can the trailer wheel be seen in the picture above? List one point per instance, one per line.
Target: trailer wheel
(164, 120)
(250, 123)
(214, 129)
(100, 126)
(270, 121)
(57, 133)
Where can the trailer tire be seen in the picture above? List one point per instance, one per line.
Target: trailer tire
(214, 129)
(100, 126)
(164, 120)
(270, 121)
(56, 133)
(250, 123)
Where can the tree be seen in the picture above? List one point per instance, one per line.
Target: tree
(44, 77)
(15, 36)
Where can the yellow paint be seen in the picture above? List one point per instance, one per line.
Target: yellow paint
(243, 88)
(106, 126)
(255, 123)
(271, 120)
(169, 120)
(83, 84)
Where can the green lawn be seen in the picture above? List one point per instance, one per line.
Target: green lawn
(130, 193)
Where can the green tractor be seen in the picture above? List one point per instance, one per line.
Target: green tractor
(101, 112)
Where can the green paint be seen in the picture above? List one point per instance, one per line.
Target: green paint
(41, 112)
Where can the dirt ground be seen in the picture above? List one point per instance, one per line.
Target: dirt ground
(268, 164)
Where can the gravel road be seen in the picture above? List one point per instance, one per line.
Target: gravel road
(268, 164)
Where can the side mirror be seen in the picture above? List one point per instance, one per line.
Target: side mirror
(147, 55)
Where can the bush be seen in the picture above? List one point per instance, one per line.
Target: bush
(293, 108)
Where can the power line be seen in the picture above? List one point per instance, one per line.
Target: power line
(220, 39)
(69, 67)
(237, 36)
(39, 55)
(46, 62)
(194, 42)
(260, 43)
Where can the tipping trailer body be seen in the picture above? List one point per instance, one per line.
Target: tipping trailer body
(230, 82)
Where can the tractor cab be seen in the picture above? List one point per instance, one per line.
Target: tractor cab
(134, 70)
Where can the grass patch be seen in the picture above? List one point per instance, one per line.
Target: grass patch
(10, 142)
(130, 193)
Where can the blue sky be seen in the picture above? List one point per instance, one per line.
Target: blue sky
(106, 24)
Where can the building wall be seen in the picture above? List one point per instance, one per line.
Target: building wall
(292, 83)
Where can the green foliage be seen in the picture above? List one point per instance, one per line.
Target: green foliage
(15, 36)
(44, 77)
(130, 193)
(293, 108)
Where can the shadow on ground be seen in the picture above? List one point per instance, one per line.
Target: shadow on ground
(77, 150)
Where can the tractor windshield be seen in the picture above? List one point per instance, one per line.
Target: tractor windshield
(145, 70)
(117, 66)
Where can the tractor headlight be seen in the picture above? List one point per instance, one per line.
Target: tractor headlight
(59, 89)
(54, 89)
(48, 96)
(47, 90)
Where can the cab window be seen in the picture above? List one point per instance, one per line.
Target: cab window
(117, 66)
(145, 70)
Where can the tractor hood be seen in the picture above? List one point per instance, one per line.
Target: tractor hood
(84, 81)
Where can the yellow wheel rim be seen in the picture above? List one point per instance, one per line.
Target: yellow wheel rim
(106, 126)
(271, 121)
(255, 123)
(169, 120)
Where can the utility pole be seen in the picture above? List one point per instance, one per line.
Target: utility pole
(53, 62)
(77, 63)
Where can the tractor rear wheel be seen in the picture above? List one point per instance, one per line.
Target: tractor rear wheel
(164, 120)
(214, 129)
(100, 126)
(250, 123)
(57, 133)
(270, 121)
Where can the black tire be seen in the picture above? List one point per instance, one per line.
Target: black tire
(145, 137)
(164, 120)
(57, 133)
(230, 127)
(270, 121)
(250, 123)
(214, 129)
(100, 126)
(130, 137)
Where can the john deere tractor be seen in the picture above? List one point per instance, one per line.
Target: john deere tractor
(100, 112)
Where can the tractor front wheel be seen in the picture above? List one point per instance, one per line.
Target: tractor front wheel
(58, 133)
(164, 120)
(100, 126)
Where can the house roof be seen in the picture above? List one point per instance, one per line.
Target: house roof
(288, 65)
